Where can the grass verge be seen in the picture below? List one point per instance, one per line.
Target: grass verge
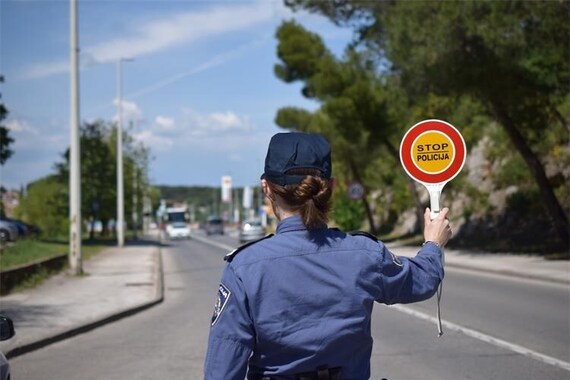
(29, 251)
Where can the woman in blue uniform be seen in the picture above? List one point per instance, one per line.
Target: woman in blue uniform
(298, 304)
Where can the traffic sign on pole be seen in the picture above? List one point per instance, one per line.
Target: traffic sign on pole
(355, 191)
(433, 152)
(226, 189)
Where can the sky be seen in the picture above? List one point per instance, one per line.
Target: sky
(199, 91)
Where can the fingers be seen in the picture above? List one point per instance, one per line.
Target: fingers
(427, 217)
(438, 229)
(443, 213)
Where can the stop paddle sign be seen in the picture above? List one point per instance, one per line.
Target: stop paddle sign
(433, 152)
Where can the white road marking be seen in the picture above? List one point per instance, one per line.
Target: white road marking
(486, 338)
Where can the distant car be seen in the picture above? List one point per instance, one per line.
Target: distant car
(6, 332)
(214, 225)
(178, 230)
(251, 229)
(8, 231)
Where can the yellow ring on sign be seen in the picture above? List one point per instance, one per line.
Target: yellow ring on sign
(433, 152)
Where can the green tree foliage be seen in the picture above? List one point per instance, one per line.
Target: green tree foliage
(348, 214)
(47, 201)
(137, 158)
(198, 195)
(5, 139)
(98, 171)
(509, 57)
(46, 205)
(353, 113)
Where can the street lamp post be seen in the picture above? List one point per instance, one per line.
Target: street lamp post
(135, 202)
(120, 184)
(74, 156)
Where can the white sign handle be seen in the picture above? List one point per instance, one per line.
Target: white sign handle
(434, 191)
(434, 198)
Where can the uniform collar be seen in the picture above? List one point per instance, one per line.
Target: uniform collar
(292, 223)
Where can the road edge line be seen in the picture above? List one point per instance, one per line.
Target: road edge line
(486, 338)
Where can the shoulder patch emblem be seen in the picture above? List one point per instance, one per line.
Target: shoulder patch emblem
(230, 256)
(395, 259)
(223, 296)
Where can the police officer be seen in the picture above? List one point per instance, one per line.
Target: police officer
(298, 304)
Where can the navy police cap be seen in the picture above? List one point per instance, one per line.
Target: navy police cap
(296, 150)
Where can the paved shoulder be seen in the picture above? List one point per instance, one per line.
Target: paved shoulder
(117, 282)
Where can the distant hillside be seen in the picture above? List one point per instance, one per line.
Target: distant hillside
(204, 199)
(197, 195)
(194, 195)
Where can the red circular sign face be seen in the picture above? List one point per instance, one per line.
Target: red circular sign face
(433, 151)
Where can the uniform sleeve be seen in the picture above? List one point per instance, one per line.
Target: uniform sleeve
(232, 335)
(407, 280)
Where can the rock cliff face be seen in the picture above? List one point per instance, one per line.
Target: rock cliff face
(501, 219)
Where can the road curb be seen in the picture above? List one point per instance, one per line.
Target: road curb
(517, 271)
(504, 272)
(111, 317)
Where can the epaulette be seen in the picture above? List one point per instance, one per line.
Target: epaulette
(363, 233)
(230, 256)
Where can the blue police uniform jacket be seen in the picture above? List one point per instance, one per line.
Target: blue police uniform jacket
(303, 299)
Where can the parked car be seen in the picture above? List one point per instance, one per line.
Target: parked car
(21, 227)
(31, 229)
(178, 230)
(6, 332)
(251, 229)
(24, 229)
(214, 225)
(8, 231)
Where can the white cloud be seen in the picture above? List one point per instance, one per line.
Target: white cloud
(46, 69)
(33, 146)
(20, 126)
(130, 110)
(164, 123)
(235, 157)
(214, 124)
(225, 132)
(225, 121)
(154, 141)
(183, 27)
(59, 140)
(35, 152)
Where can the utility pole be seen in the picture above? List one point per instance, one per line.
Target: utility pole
(75, 261)
(135, 202)
(120, 183)
(147, 209)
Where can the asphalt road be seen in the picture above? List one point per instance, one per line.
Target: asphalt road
(494, 328)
